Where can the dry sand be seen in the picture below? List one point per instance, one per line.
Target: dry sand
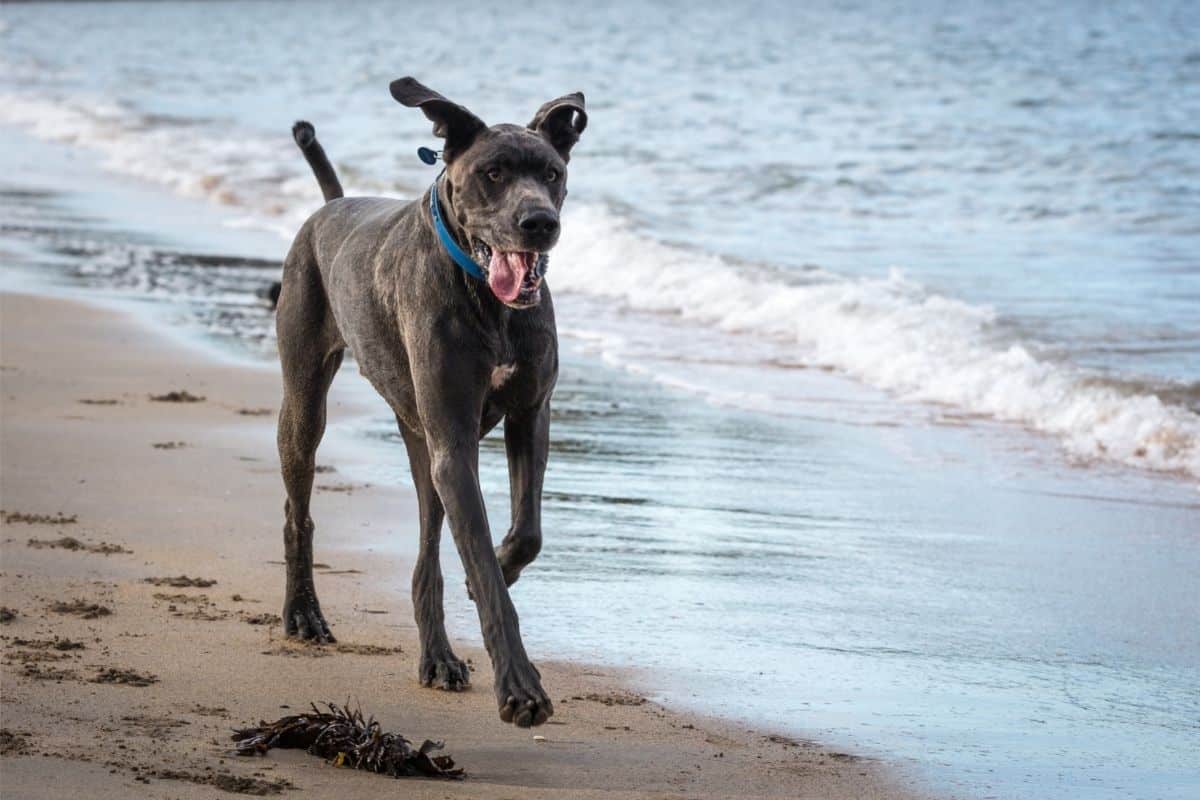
(190, 488)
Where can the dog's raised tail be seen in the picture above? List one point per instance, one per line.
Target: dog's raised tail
(306, 137)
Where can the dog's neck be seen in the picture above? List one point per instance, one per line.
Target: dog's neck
(446, 234)
(488, 306)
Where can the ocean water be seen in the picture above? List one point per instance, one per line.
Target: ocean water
(880, 409)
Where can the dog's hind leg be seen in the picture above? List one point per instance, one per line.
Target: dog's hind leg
(310, 352)
(527, 443)
(439, 667)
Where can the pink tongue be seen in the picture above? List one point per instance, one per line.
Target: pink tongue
(506, 273)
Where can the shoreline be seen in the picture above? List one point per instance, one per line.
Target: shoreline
(211, 508)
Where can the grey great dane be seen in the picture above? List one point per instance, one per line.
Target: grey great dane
(450, 352)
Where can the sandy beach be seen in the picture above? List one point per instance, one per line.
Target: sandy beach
(132, 690)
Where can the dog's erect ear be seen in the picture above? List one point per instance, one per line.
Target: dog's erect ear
(451, 121)
(561, 121)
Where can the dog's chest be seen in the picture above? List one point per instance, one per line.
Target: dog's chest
(501, 375)
(522, 378)
(522, 349)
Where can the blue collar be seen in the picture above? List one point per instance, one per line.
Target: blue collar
(460, 257)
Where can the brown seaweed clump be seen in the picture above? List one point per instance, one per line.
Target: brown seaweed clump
(343, 738)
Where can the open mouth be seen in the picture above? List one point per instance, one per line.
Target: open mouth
(514, 276)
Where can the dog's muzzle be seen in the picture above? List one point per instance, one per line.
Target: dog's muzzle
(514, 276)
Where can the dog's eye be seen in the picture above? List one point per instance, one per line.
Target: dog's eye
(495, 175)
(551, 175)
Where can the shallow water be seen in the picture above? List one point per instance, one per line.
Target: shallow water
(1029, 171)
(792, 485)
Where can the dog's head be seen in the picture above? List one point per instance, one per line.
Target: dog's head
(505, 184)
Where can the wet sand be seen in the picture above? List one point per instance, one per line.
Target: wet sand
(116, 490)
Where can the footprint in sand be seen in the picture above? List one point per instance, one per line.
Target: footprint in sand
(73, 544)
(177, 396)
(57, 518)
(80, 608)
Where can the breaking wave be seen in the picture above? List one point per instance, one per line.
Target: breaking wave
(889, 332)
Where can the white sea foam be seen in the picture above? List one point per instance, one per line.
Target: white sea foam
(888, 332)
(191, 157)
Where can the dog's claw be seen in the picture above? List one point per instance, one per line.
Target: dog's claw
(524, 703)
(444, 672)
(304, 621)
(310, 628)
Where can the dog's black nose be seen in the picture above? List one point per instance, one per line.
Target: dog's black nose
(543, 223)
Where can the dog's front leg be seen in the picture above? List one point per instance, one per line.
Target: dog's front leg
(518, 687)
(450, 387)
(527, 443)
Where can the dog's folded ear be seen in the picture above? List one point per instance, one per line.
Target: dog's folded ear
(561, 121)
(452, 122)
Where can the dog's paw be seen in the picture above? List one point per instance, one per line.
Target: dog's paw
(444, 671)
(302, 619)
(521, 698)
